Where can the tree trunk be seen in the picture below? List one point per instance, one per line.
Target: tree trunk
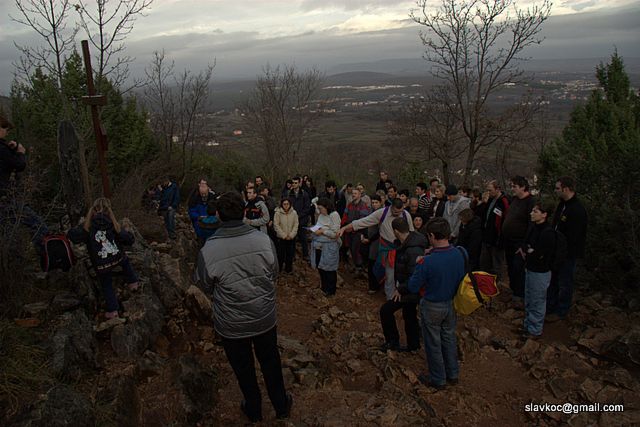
(73, 171)
(468, 168)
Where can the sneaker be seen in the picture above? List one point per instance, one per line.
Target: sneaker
(111, 314)
(133, 286)
(391, 346)
(424, 379)
(253, 419)
(287, 412)
(452, 381)
(372, 291)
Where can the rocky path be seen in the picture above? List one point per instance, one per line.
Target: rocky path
(339, 377)
(160, 366)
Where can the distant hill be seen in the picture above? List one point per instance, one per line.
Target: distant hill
(360, 77)
(387, 70)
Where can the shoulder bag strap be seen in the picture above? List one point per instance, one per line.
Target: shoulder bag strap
(472, 277)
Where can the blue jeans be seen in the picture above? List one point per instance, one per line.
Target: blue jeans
(438, 321)
(170, 222)
(106, 281)
(560, 293)
(535, 300)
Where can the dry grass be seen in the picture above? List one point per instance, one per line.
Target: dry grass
(24, 371)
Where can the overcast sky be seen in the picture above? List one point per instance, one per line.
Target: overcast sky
(242, 36)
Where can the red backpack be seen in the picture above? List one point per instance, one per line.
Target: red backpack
(57, 253)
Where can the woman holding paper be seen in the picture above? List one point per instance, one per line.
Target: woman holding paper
(325, 246)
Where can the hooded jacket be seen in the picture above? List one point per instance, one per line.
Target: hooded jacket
(406, 254)
(452, 211)
(238, 268)
(104, 245)
(285, 223)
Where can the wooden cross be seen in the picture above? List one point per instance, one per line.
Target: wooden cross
(94, 100)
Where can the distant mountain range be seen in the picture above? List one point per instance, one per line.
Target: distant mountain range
(381, 70)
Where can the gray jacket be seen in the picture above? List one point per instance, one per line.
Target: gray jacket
(238, 268)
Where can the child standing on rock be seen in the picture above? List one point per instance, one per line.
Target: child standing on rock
(105, 238)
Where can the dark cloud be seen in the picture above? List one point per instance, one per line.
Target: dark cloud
(242, 54)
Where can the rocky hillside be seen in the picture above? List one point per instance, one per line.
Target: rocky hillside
(160, 365)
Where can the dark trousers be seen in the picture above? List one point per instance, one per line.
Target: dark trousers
(560, 292)
(240, 355)
(374, 283)
(491, 259)
(302, 238)
(410, 316)
(286, 250)
(515, 267)
(354, 248)
(106, 282)
(328, 279)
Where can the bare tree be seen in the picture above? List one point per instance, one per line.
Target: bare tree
(193, 92)
(474, 47)
(279, 113)
(429, 129)
(49, 19)
(107, 25)
(176, 103)
(160, 99)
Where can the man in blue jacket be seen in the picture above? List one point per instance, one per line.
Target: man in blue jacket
(438, 274)
(169, 201)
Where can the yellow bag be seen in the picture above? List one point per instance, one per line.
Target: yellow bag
(475, 289)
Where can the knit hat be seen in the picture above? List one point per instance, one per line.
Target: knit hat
(451, 190)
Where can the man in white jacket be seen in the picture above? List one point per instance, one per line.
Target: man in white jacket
(384, 217)
(452, 208)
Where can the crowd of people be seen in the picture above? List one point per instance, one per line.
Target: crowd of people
(416, 249)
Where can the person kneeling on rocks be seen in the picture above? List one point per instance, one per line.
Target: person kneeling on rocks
(238, 267)
(105, 238)
(411, 245)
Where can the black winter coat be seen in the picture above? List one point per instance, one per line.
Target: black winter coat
(302, 205)
(10, 162)
(493, 217)
(406, 255)
(570, 219)
(470, 238)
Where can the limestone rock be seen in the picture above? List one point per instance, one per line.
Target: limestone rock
(61, 406)
(144, 326)
(121, 400)
(199, 304)
(72, 345)
(197, 386)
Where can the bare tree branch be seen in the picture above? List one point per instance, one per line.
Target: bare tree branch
(474, 47)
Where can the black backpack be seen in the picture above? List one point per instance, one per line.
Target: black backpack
(57, 253)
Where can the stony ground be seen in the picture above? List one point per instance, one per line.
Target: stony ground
(338, 377)
(160, 365)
